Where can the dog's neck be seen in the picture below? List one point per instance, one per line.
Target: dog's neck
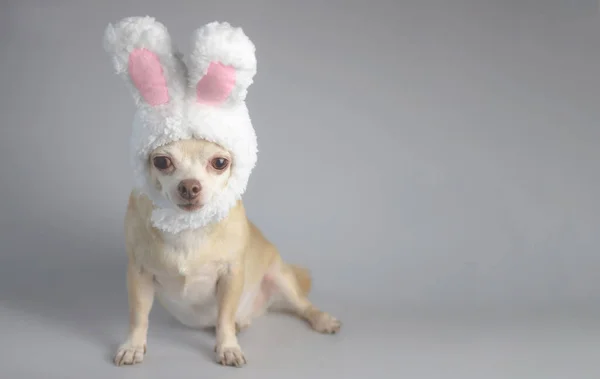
(192, 238)
(174, 221)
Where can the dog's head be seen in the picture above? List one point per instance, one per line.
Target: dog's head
(189, 173)
(181, 104)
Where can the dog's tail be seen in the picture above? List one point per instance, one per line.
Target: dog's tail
(303, 278)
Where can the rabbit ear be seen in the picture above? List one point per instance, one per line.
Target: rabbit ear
(222, 64)
(144, 57)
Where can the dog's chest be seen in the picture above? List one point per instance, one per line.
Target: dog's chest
(193, 288)
(186, 270)
(191, 297)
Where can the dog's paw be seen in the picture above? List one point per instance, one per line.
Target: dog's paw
(129, 354)
(325, 323)
(230, 355)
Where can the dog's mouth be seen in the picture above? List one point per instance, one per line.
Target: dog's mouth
(190, 207)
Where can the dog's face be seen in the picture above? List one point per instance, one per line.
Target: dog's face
(190, 172)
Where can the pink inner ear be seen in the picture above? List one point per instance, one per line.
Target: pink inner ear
(216, 86)
(147, 75)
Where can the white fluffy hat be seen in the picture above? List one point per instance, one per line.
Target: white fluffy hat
(201, 98)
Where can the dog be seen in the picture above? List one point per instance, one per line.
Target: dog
(188, 240)
(223, 275)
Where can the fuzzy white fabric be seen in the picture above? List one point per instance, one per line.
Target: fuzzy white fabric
(183, 117)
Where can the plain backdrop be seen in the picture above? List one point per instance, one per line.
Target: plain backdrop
(428, 160)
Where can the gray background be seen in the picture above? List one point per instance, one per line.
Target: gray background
(436, 165)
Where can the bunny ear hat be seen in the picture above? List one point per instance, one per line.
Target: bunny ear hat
(203, 98)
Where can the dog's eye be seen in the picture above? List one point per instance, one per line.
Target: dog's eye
(162, 163)
(219, 164)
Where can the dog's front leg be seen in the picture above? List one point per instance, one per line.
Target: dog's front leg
(229, 292)
(140, 289)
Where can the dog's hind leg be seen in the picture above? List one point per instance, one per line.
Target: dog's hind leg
(292, 285)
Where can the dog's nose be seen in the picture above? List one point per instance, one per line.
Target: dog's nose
(189, 189)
